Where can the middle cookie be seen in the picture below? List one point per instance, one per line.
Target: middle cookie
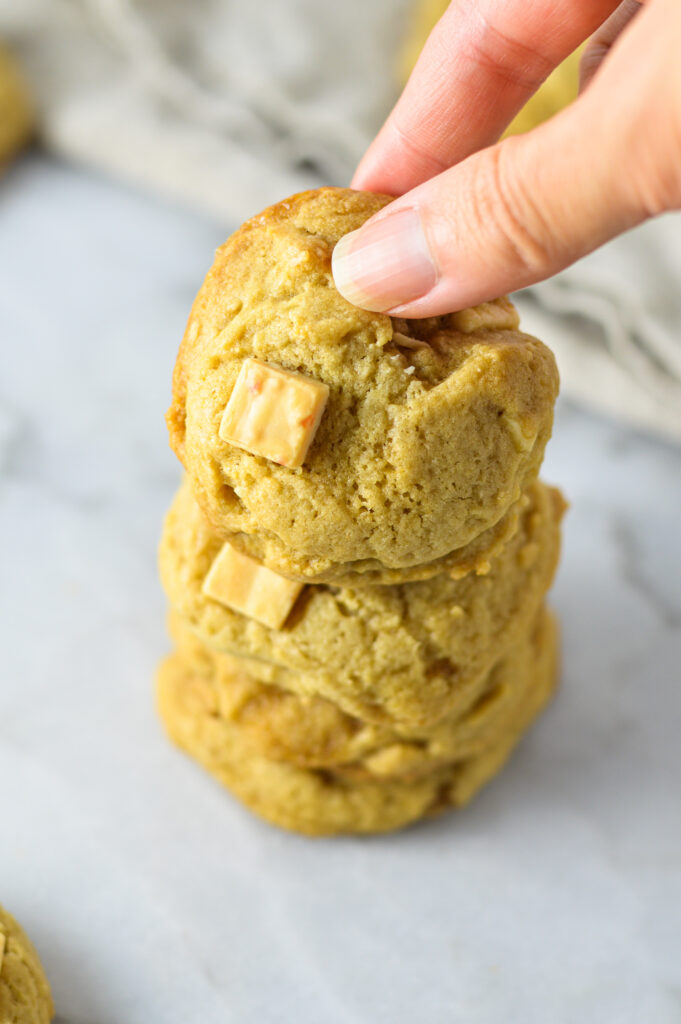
(312, 732)
(409, 653)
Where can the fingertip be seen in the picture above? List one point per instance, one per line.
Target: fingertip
(344, 274)
(385, 263)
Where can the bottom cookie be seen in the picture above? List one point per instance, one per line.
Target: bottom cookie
(25, 996)
(333, 801)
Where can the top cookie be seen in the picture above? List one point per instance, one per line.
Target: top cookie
(426, 430)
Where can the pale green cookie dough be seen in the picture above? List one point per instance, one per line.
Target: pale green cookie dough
(419, 450)
(25, 996)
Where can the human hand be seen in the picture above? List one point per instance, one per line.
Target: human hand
(478, 218)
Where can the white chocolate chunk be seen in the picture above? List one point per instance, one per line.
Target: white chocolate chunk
(273, 412)
(248, 587)
(403, 341)
(398, 757)
(522, 441)
(498, 315)
(3, 939)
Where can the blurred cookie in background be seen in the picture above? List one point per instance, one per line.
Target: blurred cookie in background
(17, 115)
(25, 996)
(559, 89)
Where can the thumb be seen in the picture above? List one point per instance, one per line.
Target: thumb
(504, 218)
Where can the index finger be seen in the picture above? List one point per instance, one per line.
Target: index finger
(479, 66)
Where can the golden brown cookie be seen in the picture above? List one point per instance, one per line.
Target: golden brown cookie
(431, 430)
(16, 109)
(25, 996)
(410, 653)
(312, 732)
(326, 802)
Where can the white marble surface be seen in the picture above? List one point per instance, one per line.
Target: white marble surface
(153, 898)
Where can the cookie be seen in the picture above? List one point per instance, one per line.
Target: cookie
(312, 732)
(426, 434)
(25, 996)
(324, 802)
(410, 653)
(473, 557)
(16, 110)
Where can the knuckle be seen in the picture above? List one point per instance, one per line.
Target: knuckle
(652, 150)
(648, 140)
(506, 56)
(420, 150)
(657, 188)
(520, 227)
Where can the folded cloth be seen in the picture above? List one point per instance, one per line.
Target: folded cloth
(230, 106)
(614, 323)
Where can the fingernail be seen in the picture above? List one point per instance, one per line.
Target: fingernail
(386, 263)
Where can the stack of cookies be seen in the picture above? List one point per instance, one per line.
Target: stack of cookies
(357, 559)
